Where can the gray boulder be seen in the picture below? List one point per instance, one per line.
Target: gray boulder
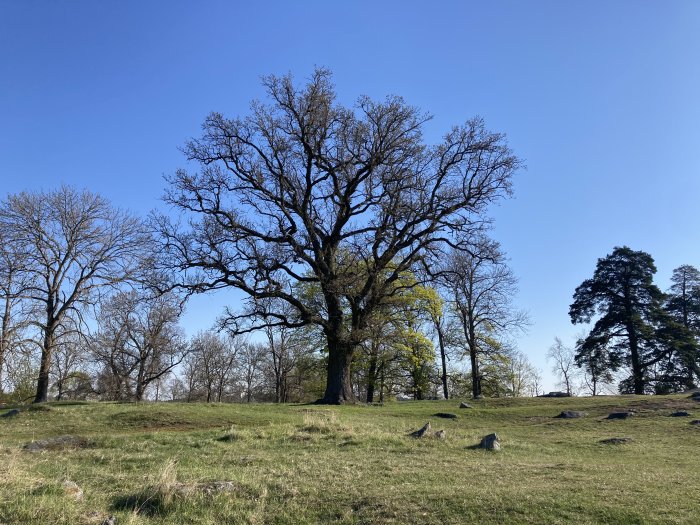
(445, 415)
(440, 434)
(571, 414)
(620, 415)
(421, 431)
(616, 441)
(490, 442)
(464, 405)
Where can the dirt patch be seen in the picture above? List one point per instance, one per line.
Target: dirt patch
(57, 443)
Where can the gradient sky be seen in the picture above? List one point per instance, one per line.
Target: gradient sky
(601, 99)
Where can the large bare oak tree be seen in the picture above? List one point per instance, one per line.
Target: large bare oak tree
(306, 190)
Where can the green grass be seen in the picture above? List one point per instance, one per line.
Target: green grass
(156, 463)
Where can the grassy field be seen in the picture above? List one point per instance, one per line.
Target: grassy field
(164, 463)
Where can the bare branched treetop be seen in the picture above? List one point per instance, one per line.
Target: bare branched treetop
(304, 189)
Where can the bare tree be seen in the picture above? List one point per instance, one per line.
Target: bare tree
(482, 287)
(138, 342)
(73, 243)
(564, 364)
(250, 363)
(212, 361)
(305, 190)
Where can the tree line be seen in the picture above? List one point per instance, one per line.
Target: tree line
(362, 252)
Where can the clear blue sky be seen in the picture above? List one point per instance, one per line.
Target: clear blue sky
(600, 98)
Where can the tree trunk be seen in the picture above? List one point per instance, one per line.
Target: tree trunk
(443, 358)
(637, 370)
(42, 384)
(372, 373)
(338, 382)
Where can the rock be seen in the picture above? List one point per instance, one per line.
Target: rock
(619, 415)
(615, 441)
(464, 405)
(421, 432)
(57, 443)
(571, 414)
(490, 442)
(72, 489)
(555, 394)
(111, 520)
(695, 422)
(680, 413)
(445, 415)
(440, 434)
(11, 413)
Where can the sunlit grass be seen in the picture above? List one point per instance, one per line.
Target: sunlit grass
(208, 463)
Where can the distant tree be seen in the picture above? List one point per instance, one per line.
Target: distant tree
(285, 195)
(683, 305)
(73, 243)
(622, 292)
(597, 364)
(563, 361)
(250, 365)
(482, 288)
(138, 342)
(212, 360)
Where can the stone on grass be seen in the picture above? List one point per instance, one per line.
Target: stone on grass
(680, 413)
(440, 434)
(464, 405)
(421, 431)
(72, 489)
(445, 415)
(695, 422)
(555, 394)
(571, 414)
(111, 520)
(11, 413)
(490, 442)
(57, 443)
(615, 441)
(620, 415)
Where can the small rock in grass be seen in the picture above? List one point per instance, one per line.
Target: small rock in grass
(620, 415)
(421, 431)
(490, 442)
(72, 489)
(111, 520)
(571, 414)
(445, 415)
(57, 443)
(680, 413)
(695, 422)
(11, 413)
(615, 441)
(464, 405)
(440, 434)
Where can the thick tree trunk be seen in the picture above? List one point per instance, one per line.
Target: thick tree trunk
(338, 383)
(637, 369)
(372, 373)
(42, 384)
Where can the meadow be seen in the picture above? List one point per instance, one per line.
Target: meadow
(167, 463)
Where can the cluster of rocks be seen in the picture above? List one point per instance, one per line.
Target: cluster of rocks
(425, 431)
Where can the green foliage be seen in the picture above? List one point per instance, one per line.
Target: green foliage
(632, 327)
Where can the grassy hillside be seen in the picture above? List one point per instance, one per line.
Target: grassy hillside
(161, 463)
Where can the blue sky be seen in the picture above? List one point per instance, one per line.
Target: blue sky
(600, 99)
